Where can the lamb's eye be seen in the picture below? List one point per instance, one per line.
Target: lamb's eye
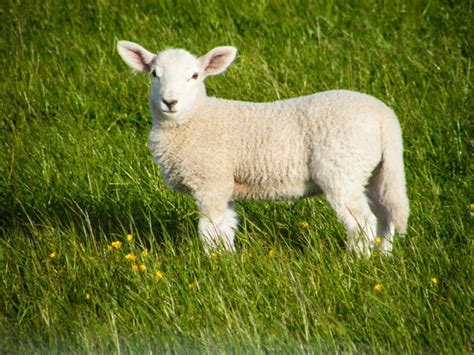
(195, 76)
(153, 74)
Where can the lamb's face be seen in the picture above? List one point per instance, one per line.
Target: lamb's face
(176, 83)
(177, 76)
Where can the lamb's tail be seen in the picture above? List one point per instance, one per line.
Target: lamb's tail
(388, 183)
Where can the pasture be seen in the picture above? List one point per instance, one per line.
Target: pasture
(97, 255)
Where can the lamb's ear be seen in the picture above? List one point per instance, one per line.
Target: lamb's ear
(135, 55)
(217, 60)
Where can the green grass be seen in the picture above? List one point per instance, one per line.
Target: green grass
(76, 175)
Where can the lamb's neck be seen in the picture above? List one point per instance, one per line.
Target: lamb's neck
(246, 106)
(208, 106)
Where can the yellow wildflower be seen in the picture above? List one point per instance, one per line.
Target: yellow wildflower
(129, 237)
(144, 253)
(377, 288)
(116, 245)
(303, 224)
(213, 254)
(87, 296)
(272, 252)
(110, 247)
(378, 240)
(130, 257)
(434, 280)
(138, 267)
(192, 284)
(53, 255)
(159, 274)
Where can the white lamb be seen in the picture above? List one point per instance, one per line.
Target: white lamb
(344, 144)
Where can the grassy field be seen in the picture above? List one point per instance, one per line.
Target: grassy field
(76, 178)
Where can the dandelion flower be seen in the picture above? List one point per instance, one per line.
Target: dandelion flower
(303, 224)
(378, 240)
(130, 257)
(129, 237)
(377, 288)
(213, 254)
(87, 296)
(159, 274)
(144, 253)
(434, 280)
(116, 245)
(53, 255)
(110, 247)
(272, 252)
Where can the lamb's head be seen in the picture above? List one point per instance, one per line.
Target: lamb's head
(177, 76)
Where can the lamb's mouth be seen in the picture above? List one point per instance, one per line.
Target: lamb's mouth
(168, 112)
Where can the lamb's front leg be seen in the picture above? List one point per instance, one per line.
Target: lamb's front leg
(217, 223)
(217, 230)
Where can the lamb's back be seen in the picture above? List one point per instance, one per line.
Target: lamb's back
(273, 144)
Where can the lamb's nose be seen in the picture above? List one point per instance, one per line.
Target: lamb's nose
(169, 103)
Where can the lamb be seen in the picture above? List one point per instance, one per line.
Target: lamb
(343, 144)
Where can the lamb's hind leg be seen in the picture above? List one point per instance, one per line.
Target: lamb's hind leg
(385, 228)
(352, 208)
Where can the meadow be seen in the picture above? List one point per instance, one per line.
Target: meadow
(97, 255)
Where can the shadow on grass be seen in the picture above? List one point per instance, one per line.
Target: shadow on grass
(174, 217)
(105, 218)
(300, 225)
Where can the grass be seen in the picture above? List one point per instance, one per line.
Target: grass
(76, 175)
